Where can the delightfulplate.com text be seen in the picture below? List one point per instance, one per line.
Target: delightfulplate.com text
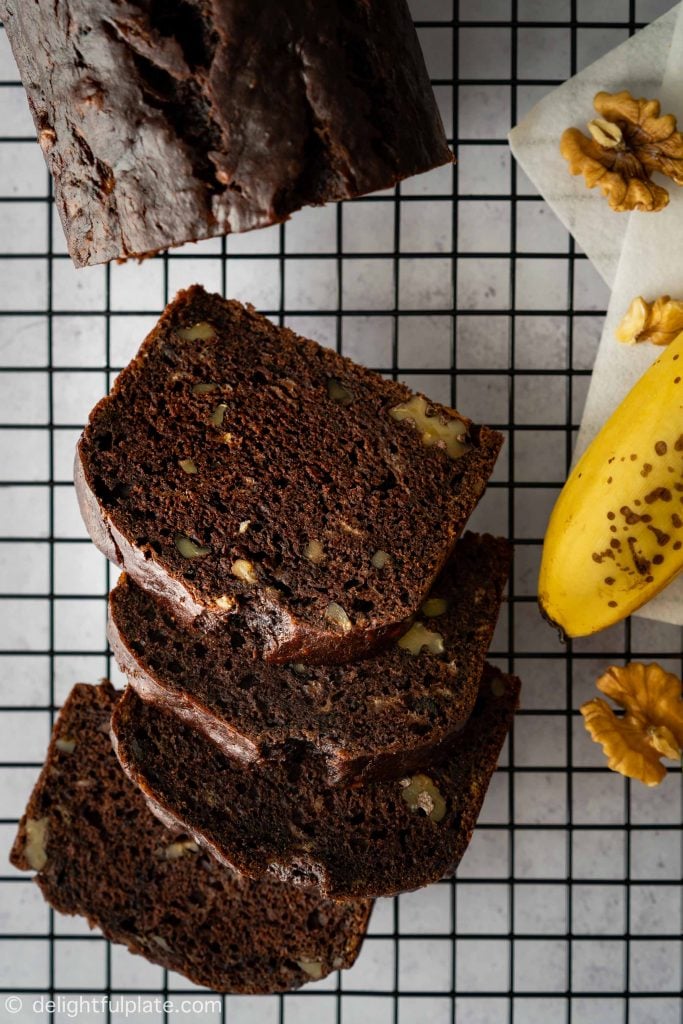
(73, 1007)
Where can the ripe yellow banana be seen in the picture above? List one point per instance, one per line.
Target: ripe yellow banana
(615, 537)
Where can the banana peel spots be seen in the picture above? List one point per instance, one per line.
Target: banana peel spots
(615, 536)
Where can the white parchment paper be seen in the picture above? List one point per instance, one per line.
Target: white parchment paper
(636, 254)
(651, 264)
(639, 65)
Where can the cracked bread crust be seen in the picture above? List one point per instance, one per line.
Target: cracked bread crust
(165, 121)
(100, 853)
(283, 821)
(278, 464)
(376, 719)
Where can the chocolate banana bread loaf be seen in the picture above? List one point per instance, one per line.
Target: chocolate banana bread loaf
(283, 820)
(165, 121)
(378, 718)
(98, 851)
(236, 465)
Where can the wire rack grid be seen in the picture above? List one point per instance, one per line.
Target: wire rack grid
(567, 907)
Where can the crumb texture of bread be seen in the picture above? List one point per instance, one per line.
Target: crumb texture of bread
(99, 852)
(174, 121)
(286, 822)
(237, 466)
(375, 719)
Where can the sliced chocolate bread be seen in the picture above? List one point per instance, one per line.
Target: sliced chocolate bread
(99, 852)
(378, 718)
(236, 465)
(164, 121)
(283, 820)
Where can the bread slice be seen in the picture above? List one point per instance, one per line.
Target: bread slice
(235, 464)
(375, 719)
(282, 820)
(98, 851)
(169, 121)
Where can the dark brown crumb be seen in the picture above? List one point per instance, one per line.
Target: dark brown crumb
(283, 820)
(99, 852)
(378, 718)
(278, 488)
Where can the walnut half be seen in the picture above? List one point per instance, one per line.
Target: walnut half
(651, 726)
(658, 322)
(628, 142)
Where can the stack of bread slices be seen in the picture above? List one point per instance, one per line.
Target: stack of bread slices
(310, 721)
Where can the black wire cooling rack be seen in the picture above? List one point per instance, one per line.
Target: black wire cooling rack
(567, 908)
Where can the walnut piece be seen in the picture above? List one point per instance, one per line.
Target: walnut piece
(335, 613)
(651, 726)
(244, 571)
(628, 142)
(314, 968)
(420, 793)
(66, 744)
(201, 331)
(187, 466)
(606, 134)
(35, 849)
(658, 322)
(218, 414)
(451, 434)
(380, 559)
(434, 606)
(313, 552)
(188, 549)
(178, 849)
(419, 637)
(204, 389)
(226, 603)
